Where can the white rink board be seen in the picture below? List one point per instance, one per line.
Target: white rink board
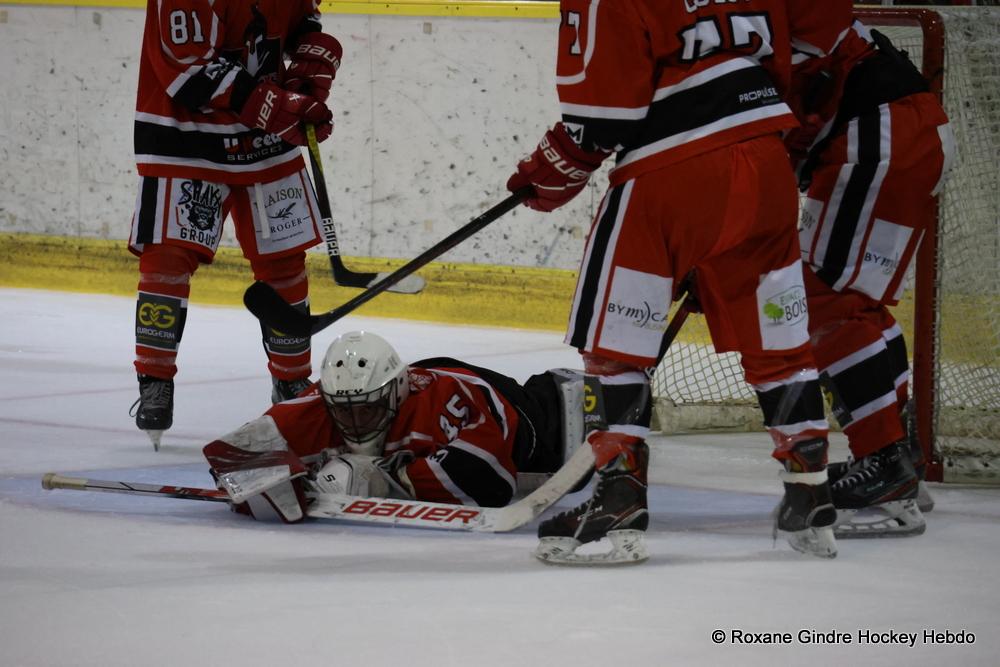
(432, 115)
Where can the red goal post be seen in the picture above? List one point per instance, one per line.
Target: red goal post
(951, 316)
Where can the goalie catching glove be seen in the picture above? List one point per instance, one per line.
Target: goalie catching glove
(360, 475)
(558, 170)
(314, 65)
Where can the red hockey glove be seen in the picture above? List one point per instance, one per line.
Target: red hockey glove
(283, 113)
(558, 170)
(314, 65)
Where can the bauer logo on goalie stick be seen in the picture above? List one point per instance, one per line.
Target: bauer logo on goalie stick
(408, 511)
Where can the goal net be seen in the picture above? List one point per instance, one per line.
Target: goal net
(951, 313)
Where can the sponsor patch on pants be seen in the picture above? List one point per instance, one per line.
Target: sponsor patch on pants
(781, 309)
(636, 314)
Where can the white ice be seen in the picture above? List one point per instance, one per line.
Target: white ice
(106, 579)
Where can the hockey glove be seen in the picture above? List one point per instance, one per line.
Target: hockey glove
(285, 113)
(360, 475)
(259, 483)
(314, 65)
(558, 170)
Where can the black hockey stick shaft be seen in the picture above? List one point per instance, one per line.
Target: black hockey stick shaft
(267, 305)
(54, 481)
(341, 274)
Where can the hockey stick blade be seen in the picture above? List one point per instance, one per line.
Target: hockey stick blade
(419, 514)
(342, 275)
(267, 305)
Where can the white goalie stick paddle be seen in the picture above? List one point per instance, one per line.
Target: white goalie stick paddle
(421, 514)
(415, 513)
(342, 275)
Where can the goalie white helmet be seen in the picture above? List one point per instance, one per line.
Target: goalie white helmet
(363, 383)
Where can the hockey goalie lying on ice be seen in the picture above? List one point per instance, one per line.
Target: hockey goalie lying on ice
(436, 431)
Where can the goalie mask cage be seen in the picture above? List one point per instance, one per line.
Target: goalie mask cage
(951, 313)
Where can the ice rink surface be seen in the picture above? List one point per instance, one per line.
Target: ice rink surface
(106, 579)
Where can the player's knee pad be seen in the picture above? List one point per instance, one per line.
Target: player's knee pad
(281, 273)
(287, 275)
(167, 263)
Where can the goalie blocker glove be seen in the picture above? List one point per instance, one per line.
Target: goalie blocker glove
(558, 170)
(284, 113)
(314, 65)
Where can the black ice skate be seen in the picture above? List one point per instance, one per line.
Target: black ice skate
(154, 409)
(925, 502)
(877, 496)
(286, 390)
(806, 514)
(617, 510)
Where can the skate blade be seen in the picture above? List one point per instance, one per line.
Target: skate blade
(898, 518)
(925, 501)
(819, 542)
(409, 285)
(154, 436)
(628, 547)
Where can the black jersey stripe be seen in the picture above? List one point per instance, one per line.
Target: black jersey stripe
(587, 294)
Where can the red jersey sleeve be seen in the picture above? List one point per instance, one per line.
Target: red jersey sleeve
(604, 89)
(462, 434)
(183, 40)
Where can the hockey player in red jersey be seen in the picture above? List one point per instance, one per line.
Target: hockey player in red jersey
(219, 118)
(436, 430)
(688, 94)
(873, 151)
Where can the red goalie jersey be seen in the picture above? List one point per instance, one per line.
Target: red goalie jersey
(200, 60)
(461, 430)
(714, 75)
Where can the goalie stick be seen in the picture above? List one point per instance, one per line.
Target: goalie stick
(414, 513)
(342, 275)
(267, 305)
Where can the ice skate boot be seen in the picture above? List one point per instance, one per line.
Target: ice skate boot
(806, 515)
(617, 510)
(925, 501)
(286, 390)
(877, 497)
(154, 409)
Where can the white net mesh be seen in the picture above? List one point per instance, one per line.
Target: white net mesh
(697, 389)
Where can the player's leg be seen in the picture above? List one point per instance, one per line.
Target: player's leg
(868, 206)
(618, 317)
(753, 297)
(616, 412)
(858, 371)
(177, 225)
(275, 243)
